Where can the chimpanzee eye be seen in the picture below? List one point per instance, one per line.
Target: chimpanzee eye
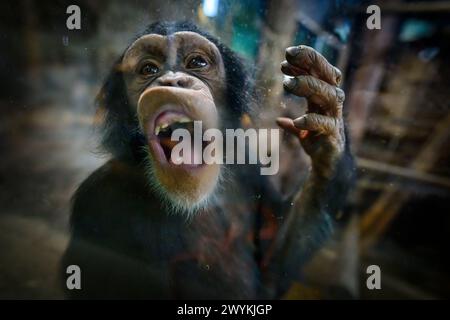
(149, 69)
(197, 63)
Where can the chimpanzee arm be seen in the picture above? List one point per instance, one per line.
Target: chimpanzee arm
(308, 224)
(322, 135)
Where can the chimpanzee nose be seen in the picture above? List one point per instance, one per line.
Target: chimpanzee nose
(178, 79)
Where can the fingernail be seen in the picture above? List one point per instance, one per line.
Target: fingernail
(300, 122)
(289, 83)
(293, 51)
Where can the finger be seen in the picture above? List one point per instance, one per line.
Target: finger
(288, 125)
(328, 97)
(308, 59)
(290, 70)
(316, 122)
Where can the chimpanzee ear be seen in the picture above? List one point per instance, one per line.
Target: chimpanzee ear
(117, 123)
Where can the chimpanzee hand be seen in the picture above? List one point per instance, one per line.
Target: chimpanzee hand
(321, 129)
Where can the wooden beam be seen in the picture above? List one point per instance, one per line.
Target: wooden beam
(378, 217)
(402, 172)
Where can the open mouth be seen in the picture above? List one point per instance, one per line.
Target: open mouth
(161, 133)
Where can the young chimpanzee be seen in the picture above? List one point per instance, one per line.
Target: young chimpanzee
(144, 227)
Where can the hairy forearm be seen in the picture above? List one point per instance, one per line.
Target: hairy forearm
(310, 220)
(307, 224)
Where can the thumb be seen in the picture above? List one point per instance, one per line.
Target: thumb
(288, 125)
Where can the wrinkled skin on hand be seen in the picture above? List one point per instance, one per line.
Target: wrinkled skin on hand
(321, 129)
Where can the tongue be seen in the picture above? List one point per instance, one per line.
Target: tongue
(167, 144)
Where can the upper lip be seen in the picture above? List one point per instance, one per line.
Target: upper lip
(156, 100)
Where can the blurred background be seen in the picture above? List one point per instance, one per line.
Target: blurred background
(397, 85)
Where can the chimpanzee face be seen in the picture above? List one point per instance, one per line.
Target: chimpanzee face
(172, 81)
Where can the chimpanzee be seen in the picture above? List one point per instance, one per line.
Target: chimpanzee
(144, 227)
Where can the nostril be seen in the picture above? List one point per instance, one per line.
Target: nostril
(183, 82)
